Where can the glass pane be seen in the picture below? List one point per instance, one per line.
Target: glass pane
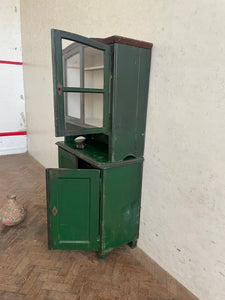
(93, 68)
(73, 105)
(71, 55)
(83, 66)
(83, 109)
(93, 107)
(72, 108)
(73, 71)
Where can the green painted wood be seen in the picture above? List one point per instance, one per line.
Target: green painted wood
(120, 205)
(66, 159)
(124, 118)
(142, 105)
(83, 90)
(95, 153)
(59, 89)
(93, 150)
(99, 197)
(75, 196)
(129, 102)
(57, 73)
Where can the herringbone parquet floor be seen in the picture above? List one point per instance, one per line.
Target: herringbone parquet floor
(28, 270)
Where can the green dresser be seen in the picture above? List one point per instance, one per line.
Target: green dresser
(100, 92)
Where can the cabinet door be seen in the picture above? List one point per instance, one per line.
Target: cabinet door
(73, 209)
(81, 82)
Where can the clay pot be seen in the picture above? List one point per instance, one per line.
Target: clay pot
(12, 213)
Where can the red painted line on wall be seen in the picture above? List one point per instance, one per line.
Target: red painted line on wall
(10, 62)
(13, 133)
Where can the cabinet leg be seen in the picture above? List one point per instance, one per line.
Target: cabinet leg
(132, 244)
(101, 257)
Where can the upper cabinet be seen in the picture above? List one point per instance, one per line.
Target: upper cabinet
(81, 76)
(101, 91)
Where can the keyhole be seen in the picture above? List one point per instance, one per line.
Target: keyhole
(59, 89)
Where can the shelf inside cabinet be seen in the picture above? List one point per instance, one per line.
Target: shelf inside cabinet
(94, 68)
(95, 154)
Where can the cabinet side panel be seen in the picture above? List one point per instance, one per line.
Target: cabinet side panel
(142, 100)
(66, 159)
(121, 205)
(129, 105)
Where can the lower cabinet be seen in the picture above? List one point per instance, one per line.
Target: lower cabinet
(93, 206)
(73, 208)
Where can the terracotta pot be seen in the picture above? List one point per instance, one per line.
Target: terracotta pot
(12, 213)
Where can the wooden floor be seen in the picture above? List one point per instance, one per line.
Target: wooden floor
(28, 270)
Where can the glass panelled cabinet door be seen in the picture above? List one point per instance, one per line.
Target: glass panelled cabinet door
(81, 78)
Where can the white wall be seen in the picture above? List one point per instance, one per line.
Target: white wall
(12, 104)
(183, 207)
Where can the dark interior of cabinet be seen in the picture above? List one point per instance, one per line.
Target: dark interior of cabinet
(81, 164)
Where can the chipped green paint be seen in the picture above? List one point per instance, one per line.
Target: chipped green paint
(129, 101)
(120, 206)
